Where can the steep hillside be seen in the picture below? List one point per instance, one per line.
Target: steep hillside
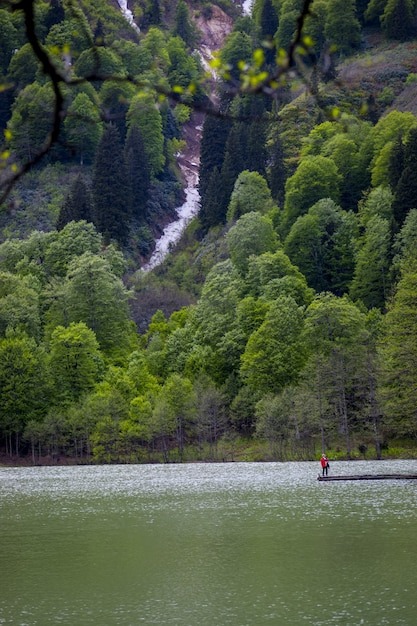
(283, 322)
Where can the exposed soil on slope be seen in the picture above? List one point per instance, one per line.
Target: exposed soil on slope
(213, 33)
(381, 72)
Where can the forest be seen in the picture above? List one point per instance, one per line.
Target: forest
(284, 323)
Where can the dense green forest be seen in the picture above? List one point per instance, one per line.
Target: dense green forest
(285, 321)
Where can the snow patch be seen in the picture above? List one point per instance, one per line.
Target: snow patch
(247, 7)
(213, 32)
(128, 14)
(173, 231)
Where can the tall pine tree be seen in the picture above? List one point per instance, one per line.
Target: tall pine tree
(110, 188)
(406, 191)
(138, 173)
(77, 206)
(55, 14)
(398, 356)
(213, 146)
(398, 19)
(183, 25)
(228, 177)
(212, 206)
(152, 13)
(268, 27)
(256, 153)
(396, 164)
(276, 170)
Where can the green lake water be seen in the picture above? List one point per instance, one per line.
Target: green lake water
(206, 545)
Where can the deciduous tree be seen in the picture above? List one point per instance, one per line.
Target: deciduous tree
(75, 362)
(316, 177)
(93, 294)
(24, 387)
(144, 114)
(275, 353)
(19, 304)
(83, 127)
(335, 334)
(253, 234)
(250, 193)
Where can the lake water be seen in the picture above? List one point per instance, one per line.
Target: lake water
(207, 545)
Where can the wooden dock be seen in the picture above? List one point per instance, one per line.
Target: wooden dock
(368, 477)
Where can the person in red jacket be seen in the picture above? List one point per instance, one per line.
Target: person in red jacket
(324, 462)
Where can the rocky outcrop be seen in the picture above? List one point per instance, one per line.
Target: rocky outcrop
(215, 29)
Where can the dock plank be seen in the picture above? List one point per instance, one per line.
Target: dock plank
(368, 477)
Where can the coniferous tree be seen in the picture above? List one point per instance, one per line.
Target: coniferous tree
(183, 26)
(110, 188)
(398, 352)
(237, 146)
(342, 28)
(405, 195)
(287, 27)
(276, 171)
(211, 212)
(228, 177)
(138, 173)
(268, 27)
(213, 145)
(152, 13)
(406, 191)
(256, 153)
(55, 14)
(370, 283)
(361, 7)
(99, 32)
(396, 164)
(268, 20)
(244, 151)
(233, 163)
(77, 206)
(398, 19)
(6, 102)
(374, 11)
(410, 149)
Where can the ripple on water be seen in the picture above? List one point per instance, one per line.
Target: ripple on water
(282, 488)
(239, 544)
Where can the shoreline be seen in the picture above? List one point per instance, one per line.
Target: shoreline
(62, 461)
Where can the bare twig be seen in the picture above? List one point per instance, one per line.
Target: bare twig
(58, 80)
